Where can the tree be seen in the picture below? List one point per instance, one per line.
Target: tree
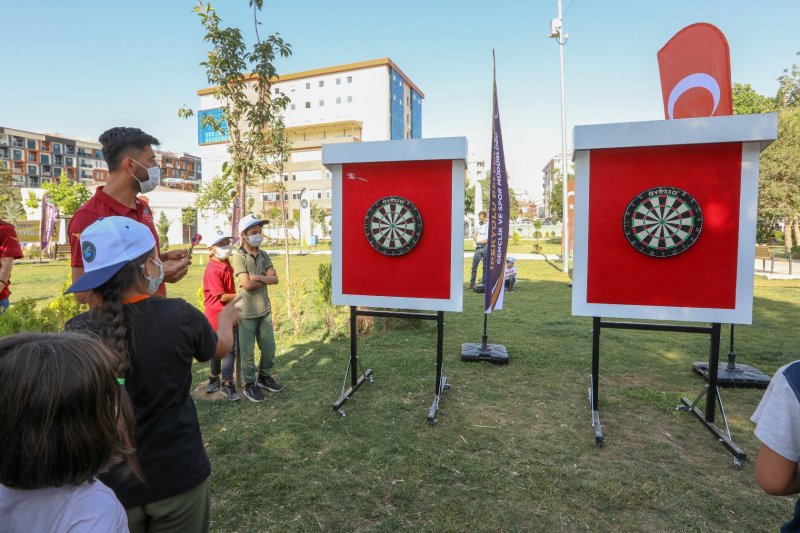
(162, 227)
(779, 176)
(537, 224)
(10, 197)
(67, 195)
(557, 194)
(32, 202)
(216, 195)
(469, 198)
(242, 77)
(319, 216)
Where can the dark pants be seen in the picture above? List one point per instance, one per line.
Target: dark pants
(184, 513)
(226, 364)
(510, 282)
(479, 257)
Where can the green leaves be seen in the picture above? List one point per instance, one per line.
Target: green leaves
(67, 195)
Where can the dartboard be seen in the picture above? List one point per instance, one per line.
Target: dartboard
(393, 225)
(662, 221)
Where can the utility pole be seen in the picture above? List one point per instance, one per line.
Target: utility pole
(557, 33)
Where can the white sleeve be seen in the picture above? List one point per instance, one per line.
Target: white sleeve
(777, 419)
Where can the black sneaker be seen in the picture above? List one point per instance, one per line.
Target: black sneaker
(266, 382)
(213, 385)
(253, 393)
(228, 390)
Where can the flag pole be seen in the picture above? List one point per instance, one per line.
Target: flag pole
(496, 247)
(557, 32)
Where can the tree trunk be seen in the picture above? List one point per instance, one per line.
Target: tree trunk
(787, 233)
(796, 231)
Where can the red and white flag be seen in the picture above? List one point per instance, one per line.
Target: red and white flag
(695, 68)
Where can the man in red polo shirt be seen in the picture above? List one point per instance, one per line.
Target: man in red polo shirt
(132, 169)
(9, 250)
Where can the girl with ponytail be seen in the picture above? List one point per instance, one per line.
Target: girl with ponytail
(155, 341)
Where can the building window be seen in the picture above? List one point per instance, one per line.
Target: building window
(31, 144)
(56, 148)
(291, 89)
(338, 99)
(56, 171)
(294, 177)
(308, 85)
(322, 83)
(308, 105)
(322, 103)
(328, 194)
(319, 195)
(70, 162)
(296, 195)
(349, 79)
(33, 170)
(349, 99)
(277, 91)
(338, 81)
(292, 107)
(44, 159)
(16, 155)
(286, 177)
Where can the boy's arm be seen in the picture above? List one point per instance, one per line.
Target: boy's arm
(776, 474)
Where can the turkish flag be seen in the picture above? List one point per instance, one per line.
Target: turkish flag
(695, 69)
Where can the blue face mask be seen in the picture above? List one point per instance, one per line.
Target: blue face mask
(154, 283)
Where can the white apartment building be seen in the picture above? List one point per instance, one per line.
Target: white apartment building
(551, 173)
(365, 101)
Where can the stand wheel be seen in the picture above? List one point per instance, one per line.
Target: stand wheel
(432, 421)
(341, 413)
(737, 464)
(681, 408)
(371, 378)
(446, 386)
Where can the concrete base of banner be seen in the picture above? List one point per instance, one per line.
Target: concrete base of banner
(475, 351)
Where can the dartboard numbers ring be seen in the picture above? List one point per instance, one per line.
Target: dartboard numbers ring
(393, 225)
(662, 221)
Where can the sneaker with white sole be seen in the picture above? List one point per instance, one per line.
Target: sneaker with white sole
(266, 382)
(253, 393)
(213, 385)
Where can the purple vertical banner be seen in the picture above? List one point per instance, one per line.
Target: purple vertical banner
(236, 214)
(497, 246)
(49, 215)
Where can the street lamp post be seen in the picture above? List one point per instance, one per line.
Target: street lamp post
(557, 33)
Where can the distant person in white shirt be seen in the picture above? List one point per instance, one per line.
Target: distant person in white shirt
(510, 274)
(777, 421)
(65, 418)
(480, 236)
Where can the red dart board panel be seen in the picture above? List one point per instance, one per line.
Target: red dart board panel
(398, 222)
(665, 218)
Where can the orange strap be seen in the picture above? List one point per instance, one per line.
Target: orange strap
(137, 298)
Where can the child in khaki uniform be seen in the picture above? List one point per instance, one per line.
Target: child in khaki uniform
(254, 271)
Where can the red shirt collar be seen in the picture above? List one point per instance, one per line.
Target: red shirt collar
(117, 207)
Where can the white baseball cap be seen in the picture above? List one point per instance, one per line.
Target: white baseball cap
(248, 221)
(107, 245)
(220, 239)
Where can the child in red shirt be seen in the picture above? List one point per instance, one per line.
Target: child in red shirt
(218, 290)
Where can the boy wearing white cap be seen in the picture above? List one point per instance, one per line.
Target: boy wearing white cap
(218, 290)
(254, 271)
(510, 274)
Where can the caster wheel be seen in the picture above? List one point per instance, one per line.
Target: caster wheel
(371, 379)
(341, 413)
(446, 386)
(737, 464)
(432, 421)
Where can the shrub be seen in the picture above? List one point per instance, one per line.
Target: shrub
(334, 317)
(23, 316)
(515, 238)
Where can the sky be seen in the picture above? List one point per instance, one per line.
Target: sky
(81, 67)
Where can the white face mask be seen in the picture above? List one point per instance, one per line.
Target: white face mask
(154, 283)
(222, 252)
(255, 240)
(153, 178)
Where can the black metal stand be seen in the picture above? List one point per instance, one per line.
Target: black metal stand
(356, 381)
(735, 375)
(494, 353)
(711, 390)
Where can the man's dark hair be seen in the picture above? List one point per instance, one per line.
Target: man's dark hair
(484, 213)
(62, 420)
(120, 142)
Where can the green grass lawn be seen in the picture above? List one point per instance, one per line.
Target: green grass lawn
(513, 448)
(526, 246)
